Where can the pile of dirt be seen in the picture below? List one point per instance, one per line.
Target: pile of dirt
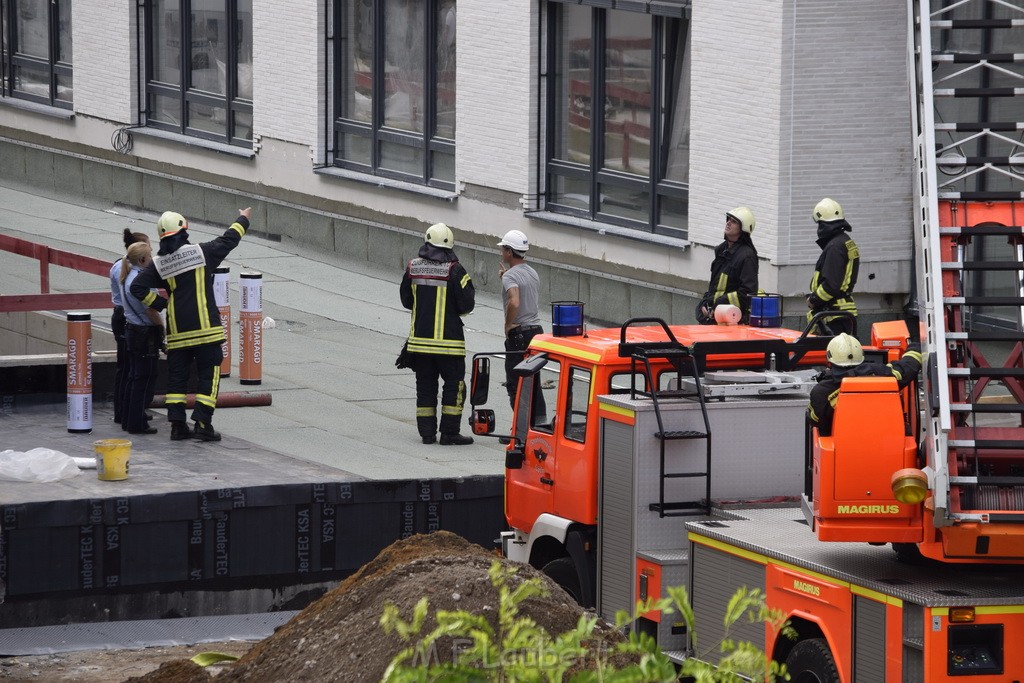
(339, 638)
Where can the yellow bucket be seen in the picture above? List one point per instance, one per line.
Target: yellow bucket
(112, 458)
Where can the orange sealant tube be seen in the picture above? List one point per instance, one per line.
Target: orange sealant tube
(221, 294)
(79, 357)
(250, 320)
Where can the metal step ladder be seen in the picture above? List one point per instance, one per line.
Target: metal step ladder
(684, 365)
(969, 202)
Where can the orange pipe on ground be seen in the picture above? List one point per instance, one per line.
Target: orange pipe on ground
(227, 399)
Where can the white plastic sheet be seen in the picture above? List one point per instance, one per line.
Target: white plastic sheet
(39, 465)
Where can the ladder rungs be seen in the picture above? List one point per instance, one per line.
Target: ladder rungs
(984, 300)
(675, 435)
(986, 372)
(991, 408)
(998, 482)
(976, 161)
(978, 92)
(975, 57)
(990, 335)
(968, 127)
(685, 475)
(678, 508)
(983, 265)
(976, 23)
(983, 444)
(982, 195)
(1007, 230)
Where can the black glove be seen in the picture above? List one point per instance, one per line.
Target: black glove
(405, 359)
(913, 346)
(813, 302)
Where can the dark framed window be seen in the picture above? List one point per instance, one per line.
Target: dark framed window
(36, 55)
(394, 89)
(618, 116)
(204, 90)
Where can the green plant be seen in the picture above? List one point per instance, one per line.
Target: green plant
(517, 649)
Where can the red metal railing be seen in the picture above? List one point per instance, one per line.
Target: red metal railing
(45, 301)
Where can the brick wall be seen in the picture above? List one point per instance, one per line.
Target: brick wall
(737, 53)
(288, 70)
(104, 59)
(497, 93)
(847, 124)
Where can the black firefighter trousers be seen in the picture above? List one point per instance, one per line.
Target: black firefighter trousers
(207, 358)
(452, 371)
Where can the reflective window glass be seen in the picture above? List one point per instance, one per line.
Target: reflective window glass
(394, 73)
(212, 98)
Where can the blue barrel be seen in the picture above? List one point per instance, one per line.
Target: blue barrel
(766, 310)
(566, 318)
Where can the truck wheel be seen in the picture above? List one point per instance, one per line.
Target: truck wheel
(908, 553)
(563, 572)
(810, 661)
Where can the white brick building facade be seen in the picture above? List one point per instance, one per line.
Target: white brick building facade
(791, 100)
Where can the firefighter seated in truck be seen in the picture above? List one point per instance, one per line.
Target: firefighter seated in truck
(846, 359)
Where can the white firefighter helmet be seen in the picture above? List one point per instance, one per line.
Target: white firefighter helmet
(727, 314)
(743, 216)
(845, 351)
(170, 223)
(440, 235)
(516, 241)
(827, 210)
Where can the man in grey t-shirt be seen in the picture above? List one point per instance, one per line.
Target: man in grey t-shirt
(520, 287)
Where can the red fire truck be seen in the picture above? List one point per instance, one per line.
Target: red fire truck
(679, 455)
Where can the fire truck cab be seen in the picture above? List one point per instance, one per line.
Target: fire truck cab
(648, 375)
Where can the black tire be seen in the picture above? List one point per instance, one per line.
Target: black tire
(908, 553)
(563, 572)
(810, 661)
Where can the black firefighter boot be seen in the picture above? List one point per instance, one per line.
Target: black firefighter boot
(427, 427)
(180, 431)
(450, 432)
(205, 432)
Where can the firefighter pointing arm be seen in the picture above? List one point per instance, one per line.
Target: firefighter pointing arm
(194, 332)
(846, 359)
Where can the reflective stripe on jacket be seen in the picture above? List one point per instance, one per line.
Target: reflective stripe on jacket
(438, 293)
(192, 315)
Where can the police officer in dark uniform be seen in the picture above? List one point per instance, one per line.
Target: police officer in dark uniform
(846, 359)
(194, 332)
(734, 270)
(835, 273)
(438, 291)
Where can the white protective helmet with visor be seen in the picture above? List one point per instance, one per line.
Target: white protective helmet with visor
(743, 216)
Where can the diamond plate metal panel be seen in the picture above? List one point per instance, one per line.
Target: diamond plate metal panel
(781, 533)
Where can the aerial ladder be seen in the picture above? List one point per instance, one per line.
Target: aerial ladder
(968, 66)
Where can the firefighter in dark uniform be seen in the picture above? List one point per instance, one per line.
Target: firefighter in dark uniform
(835, 273)
(438, 291)
(194, 332)
(734, 270)
(846, 359)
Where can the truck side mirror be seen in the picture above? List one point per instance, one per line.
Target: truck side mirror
(480, 383)
(481, 421)
(514, 458)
